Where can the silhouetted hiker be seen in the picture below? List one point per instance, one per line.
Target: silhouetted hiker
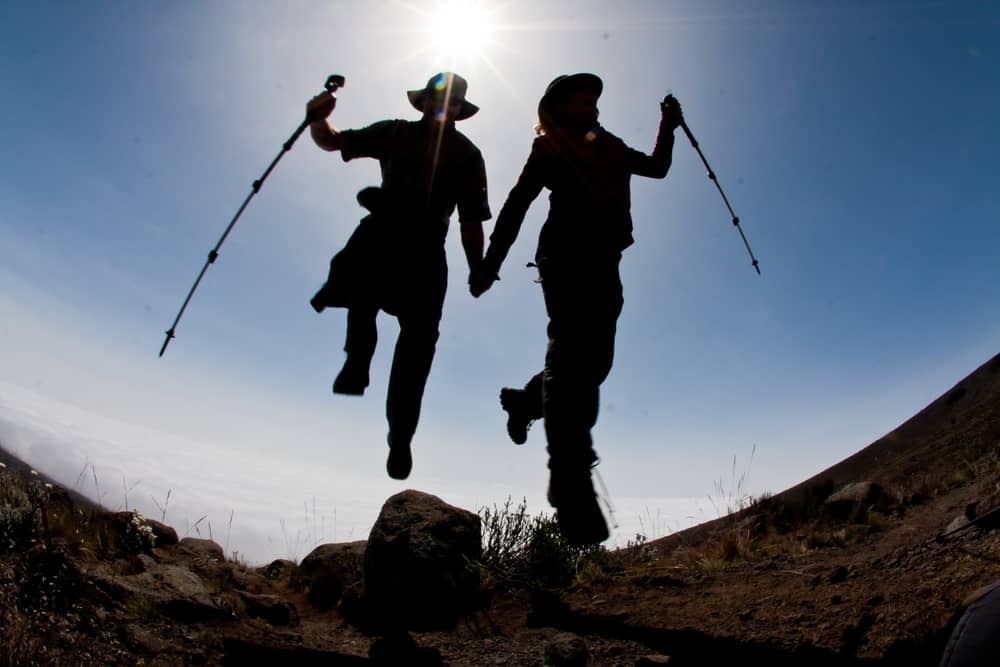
(395, 259)
(587, 169)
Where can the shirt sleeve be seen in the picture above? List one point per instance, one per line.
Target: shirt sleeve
(656, 165)
(371, 141)
(473, 200)
(529, 185)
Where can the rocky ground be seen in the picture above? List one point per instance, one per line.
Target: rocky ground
(867, 563)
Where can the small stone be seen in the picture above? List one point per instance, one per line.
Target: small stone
(566, 650)
(652, 661)
(276, 568)
(838, 575)
(958, 523)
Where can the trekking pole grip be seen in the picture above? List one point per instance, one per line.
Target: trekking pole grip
(333, 82)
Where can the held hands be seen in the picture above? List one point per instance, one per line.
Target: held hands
(320, 107)
(481, 279)
(670, 112)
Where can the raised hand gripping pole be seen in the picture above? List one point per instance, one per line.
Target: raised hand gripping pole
(333, 82)
(711, 176)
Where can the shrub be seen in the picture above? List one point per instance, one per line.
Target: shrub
(520, 551)
(19, 503)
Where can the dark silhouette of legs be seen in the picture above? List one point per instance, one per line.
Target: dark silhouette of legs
(419, 315)
(362, 336)
(583, 307)
(411, 364)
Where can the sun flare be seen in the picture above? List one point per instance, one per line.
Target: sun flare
(458, 30)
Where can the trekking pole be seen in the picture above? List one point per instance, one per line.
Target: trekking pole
(711, 176)
(333, 82)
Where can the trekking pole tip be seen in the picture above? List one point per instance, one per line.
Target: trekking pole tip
(170, 334)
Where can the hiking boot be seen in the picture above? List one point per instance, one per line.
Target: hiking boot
(400, 460)
(583, 526)
(578, 512)
(517, 405)
(318, 302)
(352, 378)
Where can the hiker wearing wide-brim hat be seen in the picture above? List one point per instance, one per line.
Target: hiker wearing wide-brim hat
(555, 110)
(589, 224)
(444, 89)
(395, 259)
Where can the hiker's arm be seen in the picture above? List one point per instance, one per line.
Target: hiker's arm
(529, 185)
(473, 208)
(472, 242)
(323, 134)
(658, 164)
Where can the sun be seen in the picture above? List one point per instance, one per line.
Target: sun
(460, 30)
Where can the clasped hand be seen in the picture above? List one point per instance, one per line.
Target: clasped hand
(670, 109)
(321, 106)
(481, 279)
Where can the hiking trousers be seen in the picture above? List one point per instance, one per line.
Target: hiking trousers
(416, 299)
(583, 303)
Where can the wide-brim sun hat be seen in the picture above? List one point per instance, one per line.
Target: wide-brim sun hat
(444, 83)
(566, 84)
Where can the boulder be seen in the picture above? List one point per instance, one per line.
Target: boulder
(164, 534)
(329, 569)
(417, 564)
(975, 639)
(856, 500)
(201, 550)
(272, 608)
(177, 592)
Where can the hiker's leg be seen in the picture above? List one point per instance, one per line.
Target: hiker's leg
(362, 333)
(582, 314)
(362, 336)
(411, 364)
(583, 311)
(533, 395)
(570, 403)
(418, 319)
(599, 337)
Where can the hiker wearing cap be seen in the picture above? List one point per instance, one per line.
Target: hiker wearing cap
(587, 170)
(395, 259)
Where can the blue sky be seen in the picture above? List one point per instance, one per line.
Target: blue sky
(855, 140)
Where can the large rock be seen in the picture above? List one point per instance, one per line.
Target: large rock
(272, 608)
(857, 500)
(164, 534)
(417, 572)
(177, 592)
(202, 551)
(329, 569)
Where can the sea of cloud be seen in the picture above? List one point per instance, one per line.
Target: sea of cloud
(259, 506)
